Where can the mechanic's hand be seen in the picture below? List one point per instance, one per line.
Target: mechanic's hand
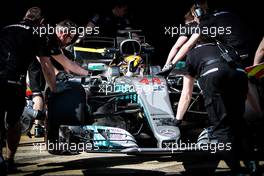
(166, 70)
(171, 122)
(63, 76)
(165, 67)
(62, 86)
(169, 66)
(177, 122)
(27, 119)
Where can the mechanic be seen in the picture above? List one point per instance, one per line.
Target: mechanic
(112, 21)
(56, 43)
(16, 60)
(18, 46)
(64, 40)
(37, 82)
(224, 87)
(230, 30)
(190, 24)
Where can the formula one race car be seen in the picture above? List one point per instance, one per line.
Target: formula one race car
(122, 105)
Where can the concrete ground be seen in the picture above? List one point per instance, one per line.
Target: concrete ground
(33, 161)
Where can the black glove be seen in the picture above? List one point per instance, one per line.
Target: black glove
(170, 122)
(177, 122)
(63, 76)
(62, 86)
(27, 119)
(166, 71)
(62, 83)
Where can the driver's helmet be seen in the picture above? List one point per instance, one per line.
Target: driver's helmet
(130, 65)
(133, 58)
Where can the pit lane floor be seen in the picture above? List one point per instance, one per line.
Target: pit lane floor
(33, 161)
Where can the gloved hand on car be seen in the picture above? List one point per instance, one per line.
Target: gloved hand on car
(62, 84)
(171, 122)
(166, 69)
(63, 76)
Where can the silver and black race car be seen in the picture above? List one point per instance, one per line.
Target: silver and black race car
(124, 106)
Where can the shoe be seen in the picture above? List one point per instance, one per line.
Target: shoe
(3, 166)
(39, 131)
(10, 164)
(252, 167)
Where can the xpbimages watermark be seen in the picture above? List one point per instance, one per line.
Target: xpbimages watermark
(81, 31)
(212, 31)
(210, 147)
(125, 88)
(64, 146)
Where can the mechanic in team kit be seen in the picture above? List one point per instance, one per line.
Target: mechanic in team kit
(20, 44)
(56, 43)
(222, 26)
(115, 19)
(18, 47)
(185, 34)
(224, 87)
